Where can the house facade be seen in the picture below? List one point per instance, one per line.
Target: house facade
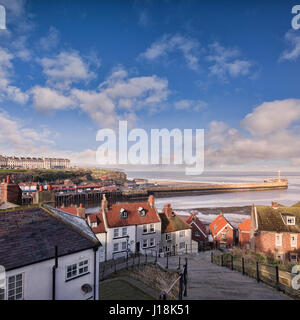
(223, 232)
(275, 231)
(176, 234)
(48, 254)
(131, 228)
(199, 233)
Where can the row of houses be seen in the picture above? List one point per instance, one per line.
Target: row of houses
(272, 230)
(137, 227)
(33, 162)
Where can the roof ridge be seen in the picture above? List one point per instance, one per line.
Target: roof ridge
(49, 209)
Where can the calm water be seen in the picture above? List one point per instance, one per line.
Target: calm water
(185, 204)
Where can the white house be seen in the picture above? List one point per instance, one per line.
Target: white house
(48, 254)
(131, 228)
(176, 234)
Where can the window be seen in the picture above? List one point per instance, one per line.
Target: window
(278, 240)
(72, 271)
(223, 236)
(15, 287)
(290, 221)
(144, 243)
(124, 232)
(152, 242)
(182, 233)
(152, 228)
(293, 257)
(123, 213)
(181, 245)
(124, 245)
(293, 240)
(142, 211)
(116, 247)
(116, 233)
(168, 236)
(145, 229)
(197, 234)
(83, 267)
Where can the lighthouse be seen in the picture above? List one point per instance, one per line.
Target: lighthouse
(279, 176)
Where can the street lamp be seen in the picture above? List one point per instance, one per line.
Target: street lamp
(127, 238)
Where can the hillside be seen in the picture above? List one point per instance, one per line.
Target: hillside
(56, 176)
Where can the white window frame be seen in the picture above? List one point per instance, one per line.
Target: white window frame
(294, 243)
(15, 287)
(293, 260)
(124, 245)
(168, 236)
(83, 265)
(116, 231)
(182, 233)
(152, 242)
(116, 245)
(124, 234)
(278, 241)
(145, 243)
(145, 228)
(291, 223)
(152, 227)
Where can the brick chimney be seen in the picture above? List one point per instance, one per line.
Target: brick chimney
(194, 215)
(104, 205)
(49, 187)
(168, 210)
(41, 188)
(151, 200)
(8, 180)
(221, 214)
(274, 205)
(81, 211)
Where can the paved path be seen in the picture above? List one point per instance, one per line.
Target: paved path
(208, 281)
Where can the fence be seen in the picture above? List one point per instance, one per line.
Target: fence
(269, 274)
(137, 261)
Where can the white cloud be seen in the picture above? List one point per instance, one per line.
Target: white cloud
(293, 38)
(226, 62)
(270, 117)
(51, 40)
(47, 99)
(194, 105)
(66, 68)
(17, 139)
(7, 90)
(274, 135)
(177, 43)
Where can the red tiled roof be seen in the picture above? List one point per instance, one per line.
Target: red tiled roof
(245, 225)
(192, 218)
(218, 224)
(114, 219)
(97, 218)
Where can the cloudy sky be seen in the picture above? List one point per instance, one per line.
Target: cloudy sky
(70, 68)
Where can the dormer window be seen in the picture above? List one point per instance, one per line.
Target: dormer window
(290, 221)
(142, 211)
(123, 213)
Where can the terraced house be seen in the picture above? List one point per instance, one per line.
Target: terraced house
(275, 231)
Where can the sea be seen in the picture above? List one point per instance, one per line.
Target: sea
(184, 205)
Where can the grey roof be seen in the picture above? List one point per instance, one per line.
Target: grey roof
(29, 236)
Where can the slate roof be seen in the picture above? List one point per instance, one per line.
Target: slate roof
(29, 236)
(193, 219)
(270, 219)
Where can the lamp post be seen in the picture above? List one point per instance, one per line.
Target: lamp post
(127, 238)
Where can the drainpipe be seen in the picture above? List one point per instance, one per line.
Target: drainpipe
(95, 270)
(54, 274)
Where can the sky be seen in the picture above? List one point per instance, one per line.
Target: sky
(69, 68)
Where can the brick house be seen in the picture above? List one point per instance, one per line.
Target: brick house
(275, 231)
(199, 233)
(244, 229)
(223, 232)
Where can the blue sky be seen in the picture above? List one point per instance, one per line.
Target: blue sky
(69, 68)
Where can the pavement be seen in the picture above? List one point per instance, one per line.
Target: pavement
(208, 281)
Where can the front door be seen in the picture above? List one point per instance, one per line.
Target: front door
(137, 249)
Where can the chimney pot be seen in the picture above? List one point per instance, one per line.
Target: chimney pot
(151, 200)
